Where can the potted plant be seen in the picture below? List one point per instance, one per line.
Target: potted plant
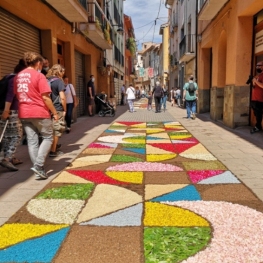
(131, 45)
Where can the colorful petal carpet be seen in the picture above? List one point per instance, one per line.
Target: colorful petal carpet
(140, 193)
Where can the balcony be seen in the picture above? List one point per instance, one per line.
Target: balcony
(98, 29)
(210, 8)
(187, 48)
(72, 10)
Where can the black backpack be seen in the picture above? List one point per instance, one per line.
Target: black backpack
(3, 89)
(191, 88)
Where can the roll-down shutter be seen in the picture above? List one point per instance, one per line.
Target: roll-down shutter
(80, 85)
(16, 37)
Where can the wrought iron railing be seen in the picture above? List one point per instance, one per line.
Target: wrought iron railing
(83, 3)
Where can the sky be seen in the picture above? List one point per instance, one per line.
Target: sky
(144, 13)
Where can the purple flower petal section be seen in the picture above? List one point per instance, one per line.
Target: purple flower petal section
(145, 167)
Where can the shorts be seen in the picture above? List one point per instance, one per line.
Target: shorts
(90, 101)
(59, 126)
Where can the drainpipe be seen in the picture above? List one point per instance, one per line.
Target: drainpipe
(196, 45)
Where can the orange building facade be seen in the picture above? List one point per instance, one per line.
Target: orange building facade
(227, 53)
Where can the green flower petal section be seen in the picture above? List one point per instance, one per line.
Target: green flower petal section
(124, 158)
(72, 192)
(135, 145)
(172, 244)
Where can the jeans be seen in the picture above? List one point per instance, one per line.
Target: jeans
(257, 107)
(130, 102)
(163, 102)
(33, 127)
(157, 104)
(190, 107)
(68, 116)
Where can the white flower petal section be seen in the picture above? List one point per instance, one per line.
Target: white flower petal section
(198, 152)
(119, 138)
(58, 211)
(237, 236)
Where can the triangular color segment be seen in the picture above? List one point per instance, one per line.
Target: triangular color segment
(180, 136)
(161, 135)
(169, 147)
(188, 193)
(131, 216)
(114, 131)
(130, 123)
(97, 177)
(12, 234)
(198, 152)
(150, 149)
(42, 249)
(224, 178)
(89, 160)
(135, 150)
(116, 198)
(128, 177)
(118, 124)
(140, 125)
(66, 177)
(159, 157)
(154, 190)
(165, 215)
(197, 176)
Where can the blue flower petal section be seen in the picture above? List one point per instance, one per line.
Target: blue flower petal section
(131, 216)
(224, 178)
(188, 193)
(135, 150)
(42, 249)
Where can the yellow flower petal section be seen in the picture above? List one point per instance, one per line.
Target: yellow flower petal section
(129, 177)
(131, 140)
(139, 125)
(159, 157)
(180, 136)
(12, 234)
(157, 214)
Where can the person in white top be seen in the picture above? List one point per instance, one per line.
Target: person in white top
(70, 94)
(130, 92)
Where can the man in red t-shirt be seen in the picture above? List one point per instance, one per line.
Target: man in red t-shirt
(257, 97)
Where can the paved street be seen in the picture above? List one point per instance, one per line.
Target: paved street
(235, 156)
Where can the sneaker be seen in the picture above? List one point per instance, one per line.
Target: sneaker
(39, 171)
(8, 165)
(255, 129)
(68, 130)
(193, 116)
(55, 154)
(58, 146)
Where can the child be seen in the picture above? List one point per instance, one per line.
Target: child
(150, 99)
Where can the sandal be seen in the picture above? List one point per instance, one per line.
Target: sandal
(16, 161)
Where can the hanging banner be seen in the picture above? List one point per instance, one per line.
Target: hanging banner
(150, 72)
(141, 72)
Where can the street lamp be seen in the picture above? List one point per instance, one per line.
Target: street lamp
(120, 29)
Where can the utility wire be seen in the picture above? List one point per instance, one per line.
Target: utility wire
(156, 19)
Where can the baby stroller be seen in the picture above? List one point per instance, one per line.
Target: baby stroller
(104, 106)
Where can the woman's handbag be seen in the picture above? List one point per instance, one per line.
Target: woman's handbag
(76, 102)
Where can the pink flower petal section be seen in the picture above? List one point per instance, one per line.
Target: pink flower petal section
(197, 176)
(237, 236)
(145, 166)
(97, 145)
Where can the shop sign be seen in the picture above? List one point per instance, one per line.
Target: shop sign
(259, 42)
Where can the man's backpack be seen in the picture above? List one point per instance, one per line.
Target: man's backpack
(3, 89)
(191, 88)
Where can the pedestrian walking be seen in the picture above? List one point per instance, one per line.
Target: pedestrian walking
(14, 130)
(190, 97)
(130, 92)
(150, 99)
(34, 107)
(257, 97)
(122, 94)
(158, 93)
(178, 96)
(172, 95)
(164, 98)
(71, 102)
(54, 76)
(91, 95)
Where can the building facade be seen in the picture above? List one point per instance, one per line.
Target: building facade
(76, 34)
(230, 34)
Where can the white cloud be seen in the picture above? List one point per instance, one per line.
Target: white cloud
(143, 14)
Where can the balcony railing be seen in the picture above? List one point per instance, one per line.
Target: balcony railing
(175, 21)
(209, 9)
(83, 3)
(187, 47)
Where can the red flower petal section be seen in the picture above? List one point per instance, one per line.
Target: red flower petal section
(97, 177)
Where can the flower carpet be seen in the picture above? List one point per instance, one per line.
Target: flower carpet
(140, 193)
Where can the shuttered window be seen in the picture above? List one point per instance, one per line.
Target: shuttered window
(16, 38)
